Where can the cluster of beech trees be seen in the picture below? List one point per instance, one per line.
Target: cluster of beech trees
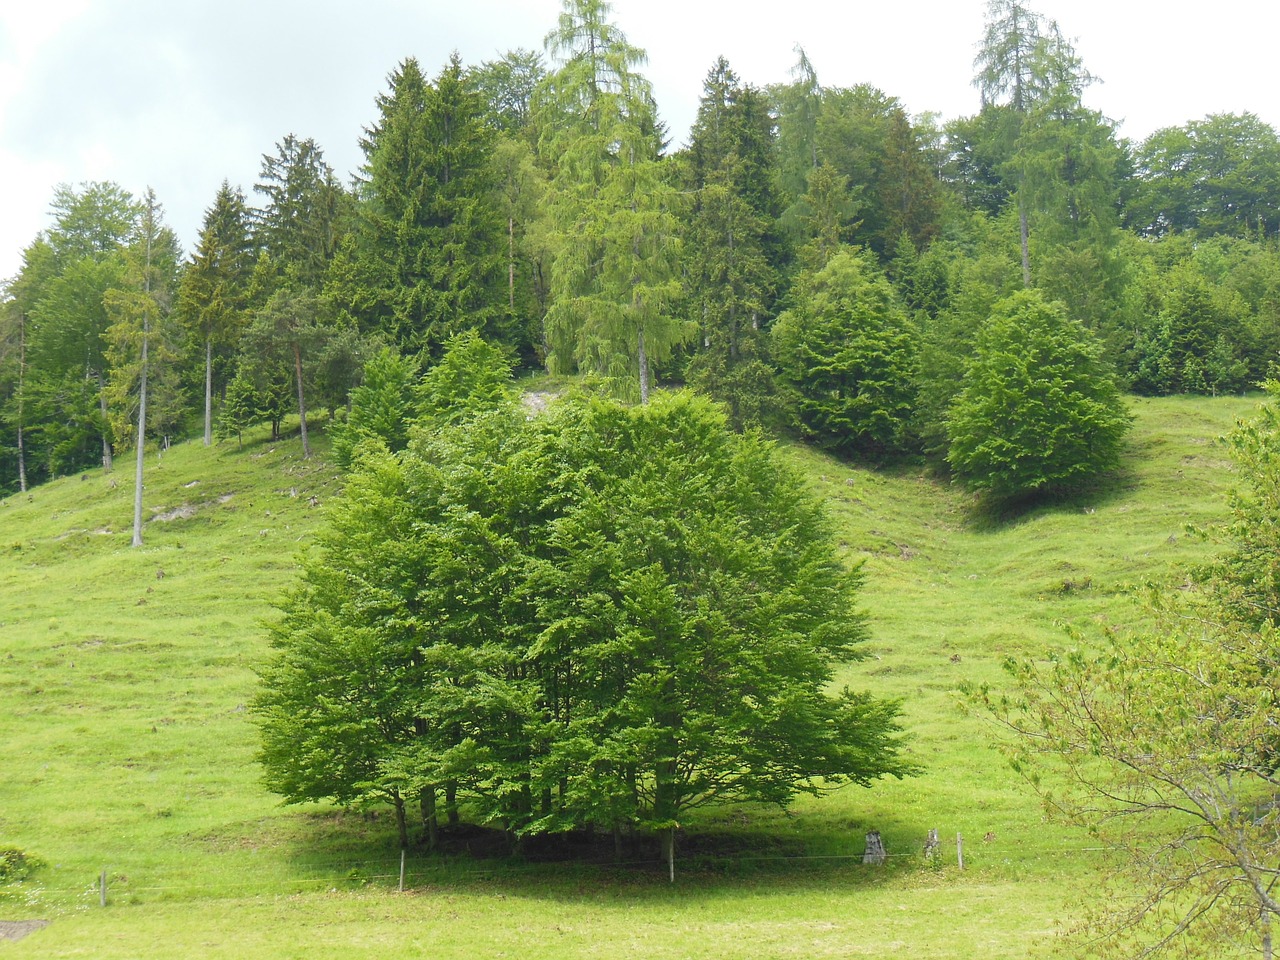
(536, 200)
(598, 617)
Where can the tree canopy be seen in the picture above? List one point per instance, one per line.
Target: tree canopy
(599, 616)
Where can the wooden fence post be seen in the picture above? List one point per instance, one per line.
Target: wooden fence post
(960, 850)
(875, 852)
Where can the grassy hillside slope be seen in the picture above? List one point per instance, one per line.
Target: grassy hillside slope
(124, 743)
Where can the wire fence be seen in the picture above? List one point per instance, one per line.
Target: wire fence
(134, 883)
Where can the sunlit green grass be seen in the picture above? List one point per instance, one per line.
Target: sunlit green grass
(124, 743)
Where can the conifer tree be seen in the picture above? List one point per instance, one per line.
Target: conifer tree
(212, 294)
(142, 339)
(426, 252)
(731, 283)
(615, 278)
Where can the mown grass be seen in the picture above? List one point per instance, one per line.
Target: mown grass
(124, 743)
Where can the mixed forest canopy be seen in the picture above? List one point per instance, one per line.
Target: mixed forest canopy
(536, 200)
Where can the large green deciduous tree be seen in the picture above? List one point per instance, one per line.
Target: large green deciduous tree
(601, 616)
(1039, 412)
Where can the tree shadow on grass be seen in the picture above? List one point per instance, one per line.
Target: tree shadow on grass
(360, 849)
(992, 514)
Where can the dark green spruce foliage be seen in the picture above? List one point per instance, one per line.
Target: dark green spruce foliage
(730, 238)
(1039, 412)
(849, 352)
(425, 261)
(601, 616)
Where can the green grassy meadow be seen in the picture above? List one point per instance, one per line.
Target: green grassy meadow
(125, 745)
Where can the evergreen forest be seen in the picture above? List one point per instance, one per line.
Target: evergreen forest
(815, 258)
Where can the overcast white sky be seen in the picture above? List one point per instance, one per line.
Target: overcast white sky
(180, 94)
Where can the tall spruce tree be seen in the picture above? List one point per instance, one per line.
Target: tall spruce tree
(213, 291)
(427, 248)
(730, 281)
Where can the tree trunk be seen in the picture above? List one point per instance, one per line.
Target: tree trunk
(107, 460)
(402, 826)
(22, 377)
(644, 369)
(511, 264)
(302, 406)
(142, 439)
(451, 802)
(875, 852)
(430, 822)
(208, 391)
(1025, 237)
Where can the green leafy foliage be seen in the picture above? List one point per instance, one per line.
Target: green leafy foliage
(381, 407)
(848, 351)
(1038, 412)
(1160, 741)
(598, 616)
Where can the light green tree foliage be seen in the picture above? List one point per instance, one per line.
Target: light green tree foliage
(615, 275)
(382, 407)
(68, 364)
(824, 218)
(1071, 169)
(473, 374)
(338, 697)
(797, 105)
(144, 342)
(599, 616)
(848, 350)
(1245, 575)
(214, 286)
(61, 291)
(1006, 75)
(1039, 412)
(955, 283)
(1161, 743)
(92, 222)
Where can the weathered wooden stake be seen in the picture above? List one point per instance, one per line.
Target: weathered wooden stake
(102, 888)
(875, 852)
(960, 850)
(671, 855)
(931, 845)
(402, 869)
